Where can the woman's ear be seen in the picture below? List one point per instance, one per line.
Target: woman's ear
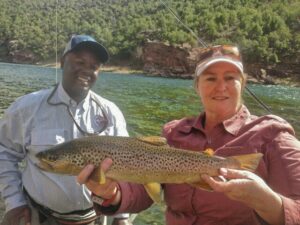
(196, 80)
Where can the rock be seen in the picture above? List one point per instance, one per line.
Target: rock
(172, 61)
(16, 55)
(180, 61)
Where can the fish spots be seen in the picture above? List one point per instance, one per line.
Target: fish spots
(137, 161)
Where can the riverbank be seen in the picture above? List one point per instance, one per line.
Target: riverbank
(292, 80)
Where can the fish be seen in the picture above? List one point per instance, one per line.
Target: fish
(144, 160)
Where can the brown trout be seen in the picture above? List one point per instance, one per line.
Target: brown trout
(144, 160)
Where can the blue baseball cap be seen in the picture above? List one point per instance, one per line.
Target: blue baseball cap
(77, 41)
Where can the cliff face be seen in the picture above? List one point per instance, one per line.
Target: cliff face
(10, 52)
(170, 61)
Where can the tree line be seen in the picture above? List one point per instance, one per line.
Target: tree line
(265, 31)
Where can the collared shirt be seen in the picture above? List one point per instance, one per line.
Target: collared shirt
(31, 125)
(241, 134)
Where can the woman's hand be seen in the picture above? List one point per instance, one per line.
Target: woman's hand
(105, 191)
(250, 189)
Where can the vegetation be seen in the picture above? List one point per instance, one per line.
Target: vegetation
(266, 31)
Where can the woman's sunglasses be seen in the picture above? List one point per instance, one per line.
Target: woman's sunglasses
(221, 50)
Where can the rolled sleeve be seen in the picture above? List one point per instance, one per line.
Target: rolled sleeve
(134, 199)
(284, 174)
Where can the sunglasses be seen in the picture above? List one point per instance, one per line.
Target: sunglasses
(221, 50)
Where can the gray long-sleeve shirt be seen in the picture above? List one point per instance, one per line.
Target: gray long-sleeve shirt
(31, 125)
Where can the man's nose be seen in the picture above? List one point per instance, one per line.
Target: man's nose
(87, 70)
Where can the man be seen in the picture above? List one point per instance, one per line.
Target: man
(48, 117)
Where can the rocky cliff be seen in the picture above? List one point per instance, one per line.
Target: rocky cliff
(169, 61)
(10, 52)
(180, 61)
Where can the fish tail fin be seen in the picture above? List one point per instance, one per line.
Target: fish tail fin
(248, 161)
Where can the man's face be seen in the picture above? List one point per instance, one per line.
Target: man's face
(80, 72)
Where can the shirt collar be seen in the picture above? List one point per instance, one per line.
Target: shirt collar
(231, 125)
(234, 124)
(65, 98)
(190, 124)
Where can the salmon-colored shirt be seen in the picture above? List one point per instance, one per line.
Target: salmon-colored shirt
(241, 134)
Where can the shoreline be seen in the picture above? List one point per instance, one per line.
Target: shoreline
(291, 81)
(105, 68)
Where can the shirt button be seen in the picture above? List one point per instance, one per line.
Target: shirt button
(73, 103)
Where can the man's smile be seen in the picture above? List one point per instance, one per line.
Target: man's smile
(84, 80)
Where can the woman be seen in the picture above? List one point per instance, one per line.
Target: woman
(271, 195)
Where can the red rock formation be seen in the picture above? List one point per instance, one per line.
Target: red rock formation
(165, 60)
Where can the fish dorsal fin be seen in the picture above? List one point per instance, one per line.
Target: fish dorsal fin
(208, 152)
(153, 190)
(153, 140)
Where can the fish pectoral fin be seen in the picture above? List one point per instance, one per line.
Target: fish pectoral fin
(208, 152)
(153, 190)
(201, 185)
(98, 175)
(153, 140)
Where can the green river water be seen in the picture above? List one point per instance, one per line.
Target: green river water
(147, 103)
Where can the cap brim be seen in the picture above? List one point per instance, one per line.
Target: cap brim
(203, 66)
(99, 49)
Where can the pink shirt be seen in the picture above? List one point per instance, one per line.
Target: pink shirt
(242, 134)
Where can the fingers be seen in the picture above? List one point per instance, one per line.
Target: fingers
(105, 190)
(83, 176)
(237, 174)
(218, 186)
(106, 164)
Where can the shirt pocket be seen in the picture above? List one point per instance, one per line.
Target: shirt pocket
(234, 150)
(44, 139)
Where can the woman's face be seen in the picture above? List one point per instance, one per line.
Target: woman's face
(220, 89)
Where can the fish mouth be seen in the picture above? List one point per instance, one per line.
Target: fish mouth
(60, 167)
(45, 165)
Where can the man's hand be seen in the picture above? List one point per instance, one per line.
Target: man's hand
(105, 191)
(14, 216)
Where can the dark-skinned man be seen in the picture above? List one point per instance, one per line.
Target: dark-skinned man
(36, 121)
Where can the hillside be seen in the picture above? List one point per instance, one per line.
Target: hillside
(267, 32)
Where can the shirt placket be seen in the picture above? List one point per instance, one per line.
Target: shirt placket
(209, 141)
(74, 108)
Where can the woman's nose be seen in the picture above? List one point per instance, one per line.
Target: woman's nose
(220, 85)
